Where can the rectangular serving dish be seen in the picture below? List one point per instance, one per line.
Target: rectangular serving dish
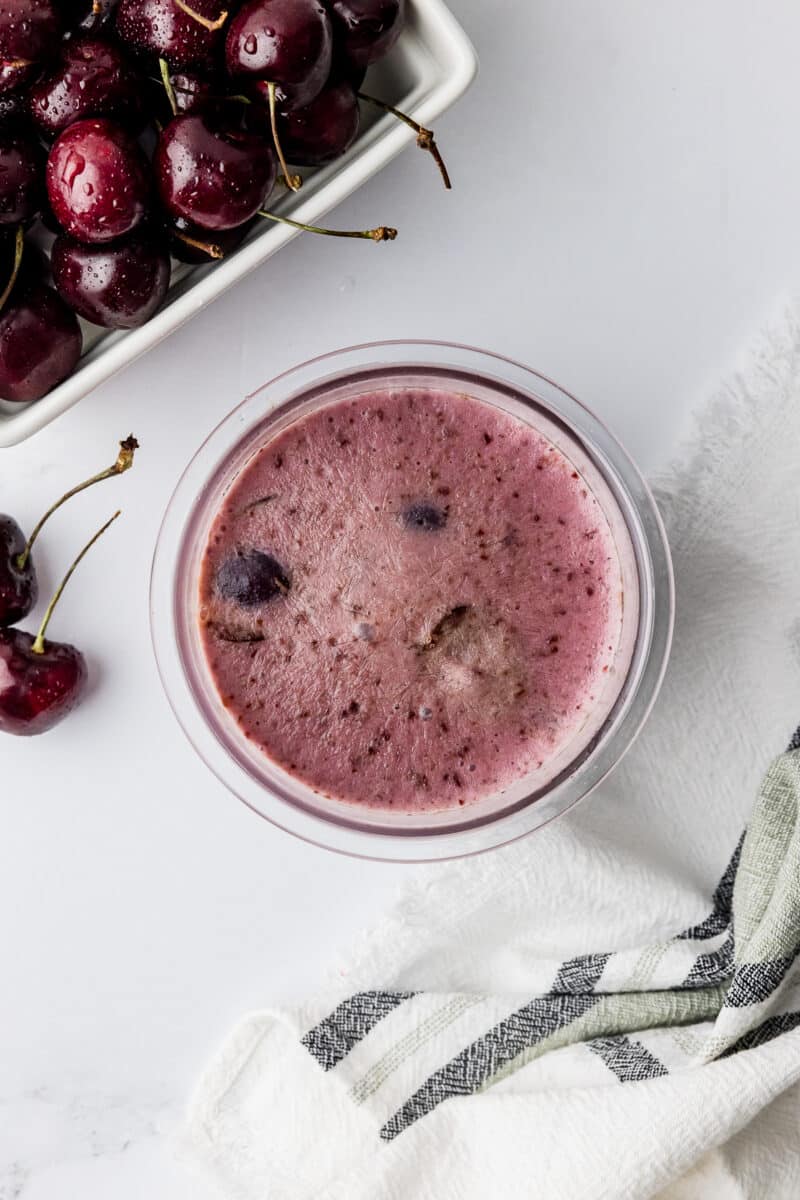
(432, 64)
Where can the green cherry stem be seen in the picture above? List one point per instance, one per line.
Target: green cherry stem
(123, 463)
(382, 234)
(425, 139)
(273, 120)
(163, 66)
(19, 244)
(38, 643)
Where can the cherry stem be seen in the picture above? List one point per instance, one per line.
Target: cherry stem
(273, 120)
(124, 462)
(163, 66)
(382, 234)
(38, 643)
(13, 63)
(97, 8)
(425, 138)
(209, 248)
(19, 244)
(211, 26)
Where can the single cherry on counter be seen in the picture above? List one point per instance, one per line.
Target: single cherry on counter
(38, 687)
(18, 584)
(41, 681)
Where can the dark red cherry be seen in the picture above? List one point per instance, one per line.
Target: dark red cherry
(213, 176)
(190, 244)
(98, 181)
(29, 36)
(92, 79)
(22, 162)
(366, 29)
(119, 285)
(18, 587)
(37, 690)
(40, 343)
(324, 129)
(159, 28)
(41, 681)
(288, 43)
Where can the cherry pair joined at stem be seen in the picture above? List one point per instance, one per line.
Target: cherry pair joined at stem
(41, 681)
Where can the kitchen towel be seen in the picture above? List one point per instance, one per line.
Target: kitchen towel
(610, 1007)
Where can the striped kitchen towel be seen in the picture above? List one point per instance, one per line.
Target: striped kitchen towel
(706, 1025)
(728, 984)
(603, 1011)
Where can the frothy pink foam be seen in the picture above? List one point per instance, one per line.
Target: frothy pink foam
(454, 600)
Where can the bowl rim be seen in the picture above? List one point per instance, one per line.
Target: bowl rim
(621, 727)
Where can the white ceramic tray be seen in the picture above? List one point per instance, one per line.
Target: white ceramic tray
(432, 65)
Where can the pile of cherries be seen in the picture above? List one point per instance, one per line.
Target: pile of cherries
(140, 130)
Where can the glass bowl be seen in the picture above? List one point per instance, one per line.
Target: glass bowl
(619, 712)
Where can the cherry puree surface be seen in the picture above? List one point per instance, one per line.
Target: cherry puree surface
(410, 600)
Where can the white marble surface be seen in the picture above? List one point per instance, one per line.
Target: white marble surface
(625, 217)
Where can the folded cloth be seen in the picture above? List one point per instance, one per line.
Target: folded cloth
(571, 1016)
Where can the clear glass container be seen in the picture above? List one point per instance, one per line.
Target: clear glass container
(619, 712)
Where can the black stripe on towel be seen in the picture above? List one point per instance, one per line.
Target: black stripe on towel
(771, 1028)
(753, 983)
(720, 917)
(628, 1059)
(578, 976)
(334, 1038)
(711, 969)
(479, 1063)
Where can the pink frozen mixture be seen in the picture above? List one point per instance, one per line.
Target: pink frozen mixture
(409, 600)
